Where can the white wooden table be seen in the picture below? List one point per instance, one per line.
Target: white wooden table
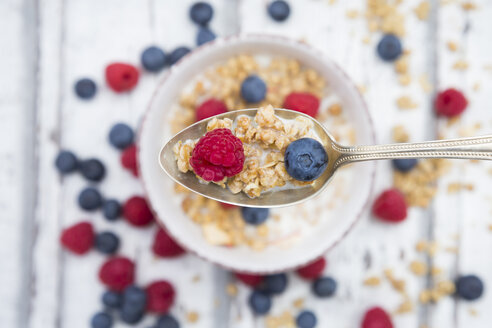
(48, 44)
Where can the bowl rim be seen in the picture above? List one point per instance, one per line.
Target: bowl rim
(238, 38)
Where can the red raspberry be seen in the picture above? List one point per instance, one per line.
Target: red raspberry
(78, 238)
(217, 154)
(165, 246)
(210, 108)
(121, 77)
(160, 296)
(303, 102)
(129, 159)
(137, 212)
(376, 317)
(252, 280)
(117, 273)
(390, 206)
(227, 206)
(450, 102)
(313, 270)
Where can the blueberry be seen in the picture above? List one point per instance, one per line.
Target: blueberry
(305, 159)
(85, 88)
(107, 242)
(177, 54)
(253, 215)
(111, 299)
(260, 302)
(134, 296)
(279, 10)
(253, 89)
(111, 209)
(90, 199)
(130, 314)
(167, 321)
(404, 164)
(324, 287)
(306, 319)
(134, 301)
(153, 59)
(204, 35)
(389, 48)
(92, 169)
(121, 136)
(201, 13)
(469, 287)
(66, 161)
(275, 283)
(101, 320)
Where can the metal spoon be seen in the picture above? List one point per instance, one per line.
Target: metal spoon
(338, 155)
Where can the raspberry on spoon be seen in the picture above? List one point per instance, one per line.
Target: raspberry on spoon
(218, 154)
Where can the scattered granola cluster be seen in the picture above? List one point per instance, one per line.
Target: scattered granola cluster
(440, 289)
(419, 185)
(466, 287)
(285, 319)
(383, 15)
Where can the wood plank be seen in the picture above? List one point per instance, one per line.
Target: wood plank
(463, 217)
(46, 275)
(17, 63)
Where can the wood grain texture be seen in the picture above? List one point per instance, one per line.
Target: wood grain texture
(68, 39)
(463, 217)
(17, 94)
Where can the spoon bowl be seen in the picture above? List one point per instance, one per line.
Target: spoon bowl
(269, 199)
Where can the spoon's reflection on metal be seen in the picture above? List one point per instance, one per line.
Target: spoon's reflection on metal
(338, 155)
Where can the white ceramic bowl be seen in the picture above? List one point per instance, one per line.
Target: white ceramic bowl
(159, 188)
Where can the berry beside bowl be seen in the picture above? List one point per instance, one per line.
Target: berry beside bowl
(304, 232)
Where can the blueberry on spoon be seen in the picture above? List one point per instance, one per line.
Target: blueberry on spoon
(305, 159)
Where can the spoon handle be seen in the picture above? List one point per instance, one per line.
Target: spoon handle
(462, 148)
